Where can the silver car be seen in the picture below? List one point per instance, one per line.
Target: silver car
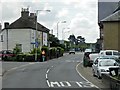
(101, 66)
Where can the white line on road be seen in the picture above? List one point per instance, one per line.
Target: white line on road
(46, 76)
(48, 83)
(48, 71)
(84, 77)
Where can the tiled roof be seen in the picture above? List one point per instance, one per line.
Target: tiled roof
(113, 17)
(22, 23)
(27, 21)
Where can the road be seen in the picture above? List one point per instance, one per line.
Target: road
(55, 73)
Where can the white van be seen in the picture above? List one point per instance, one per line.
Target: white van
(113, 53)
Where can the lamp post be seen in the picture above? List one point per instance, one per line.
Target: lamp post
(57, 26)
(63, 32)
(36, 36)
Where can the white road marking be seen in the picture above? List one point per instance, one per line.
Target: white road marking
(78, 84)
(46, 76)
(65, 84)
(48, 83)
(48, 71)
(54, 83)
(12, 69)
(84, 77)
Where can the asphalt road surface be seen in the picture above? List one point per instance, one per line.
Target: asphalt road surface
(55, 73)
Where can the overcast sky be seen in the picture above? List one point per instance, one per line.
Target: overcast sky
(80, 15)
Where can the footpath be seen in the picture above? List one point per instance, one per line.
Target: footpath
(86, 72)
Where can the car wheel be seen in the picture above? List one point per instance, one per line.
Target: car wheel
(93, 73)
(98, 75)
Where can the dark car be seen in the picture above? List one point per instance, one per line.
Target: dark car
(5, 54)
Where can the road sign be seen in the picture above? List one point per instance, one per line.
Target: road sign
(36, 44)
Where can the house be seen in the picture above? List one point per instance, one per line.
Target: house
(111, 30)
(104, 9)
(23, 34)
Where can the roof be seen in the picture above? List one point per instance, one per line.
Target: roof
(113, 17)
(27, 21)
(105, 9)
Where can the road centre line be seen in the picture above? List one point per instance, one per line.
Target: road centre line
(83, 76)
(47, 76)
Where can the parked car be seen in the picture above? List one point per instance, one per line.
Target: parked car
(72, 51)
(5, 54)
(88, 50)
(113, 53)
(89, 57)
(101, 66)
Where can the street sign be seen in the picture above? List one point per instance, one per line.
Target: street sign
(36, 44)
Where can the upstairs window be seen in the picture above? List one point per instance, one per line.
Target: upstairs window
(1, 38)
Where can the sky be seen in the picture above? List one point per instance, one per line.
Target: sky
(81, 16)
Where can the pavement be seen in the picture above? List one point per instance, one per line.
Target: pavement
(86, 72)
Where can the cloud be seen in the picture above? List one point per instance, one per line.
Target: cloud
(62, 13)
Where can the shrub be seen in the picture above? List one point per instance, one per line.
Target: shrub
(60, 51)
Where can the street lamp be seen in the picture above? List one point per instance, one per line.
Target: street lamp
(57, 26)
(36, 36)
(63, 31)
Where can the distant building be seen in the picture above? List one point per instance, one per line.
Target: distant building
(22, 33)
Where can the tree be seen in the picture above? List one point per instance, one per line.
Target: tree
(54, 41)
(80, 39)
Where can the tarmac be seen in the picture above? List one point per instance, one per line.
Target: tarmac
(86, 72)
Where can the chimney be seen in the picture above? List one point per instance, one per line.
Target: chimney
(6, 25)
(33, 17)
(25, 13)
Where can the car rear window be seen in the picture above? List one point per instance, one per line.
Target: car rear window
(108, 53)
(115, 53)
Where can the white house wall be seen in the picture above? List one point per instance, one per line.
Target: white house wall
(4, 43)
(0, 42)
(26, 37)
(17, 36)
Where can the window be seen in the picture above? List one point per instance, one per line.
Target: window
(115, 53)
(1, 38)
(108, 53)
